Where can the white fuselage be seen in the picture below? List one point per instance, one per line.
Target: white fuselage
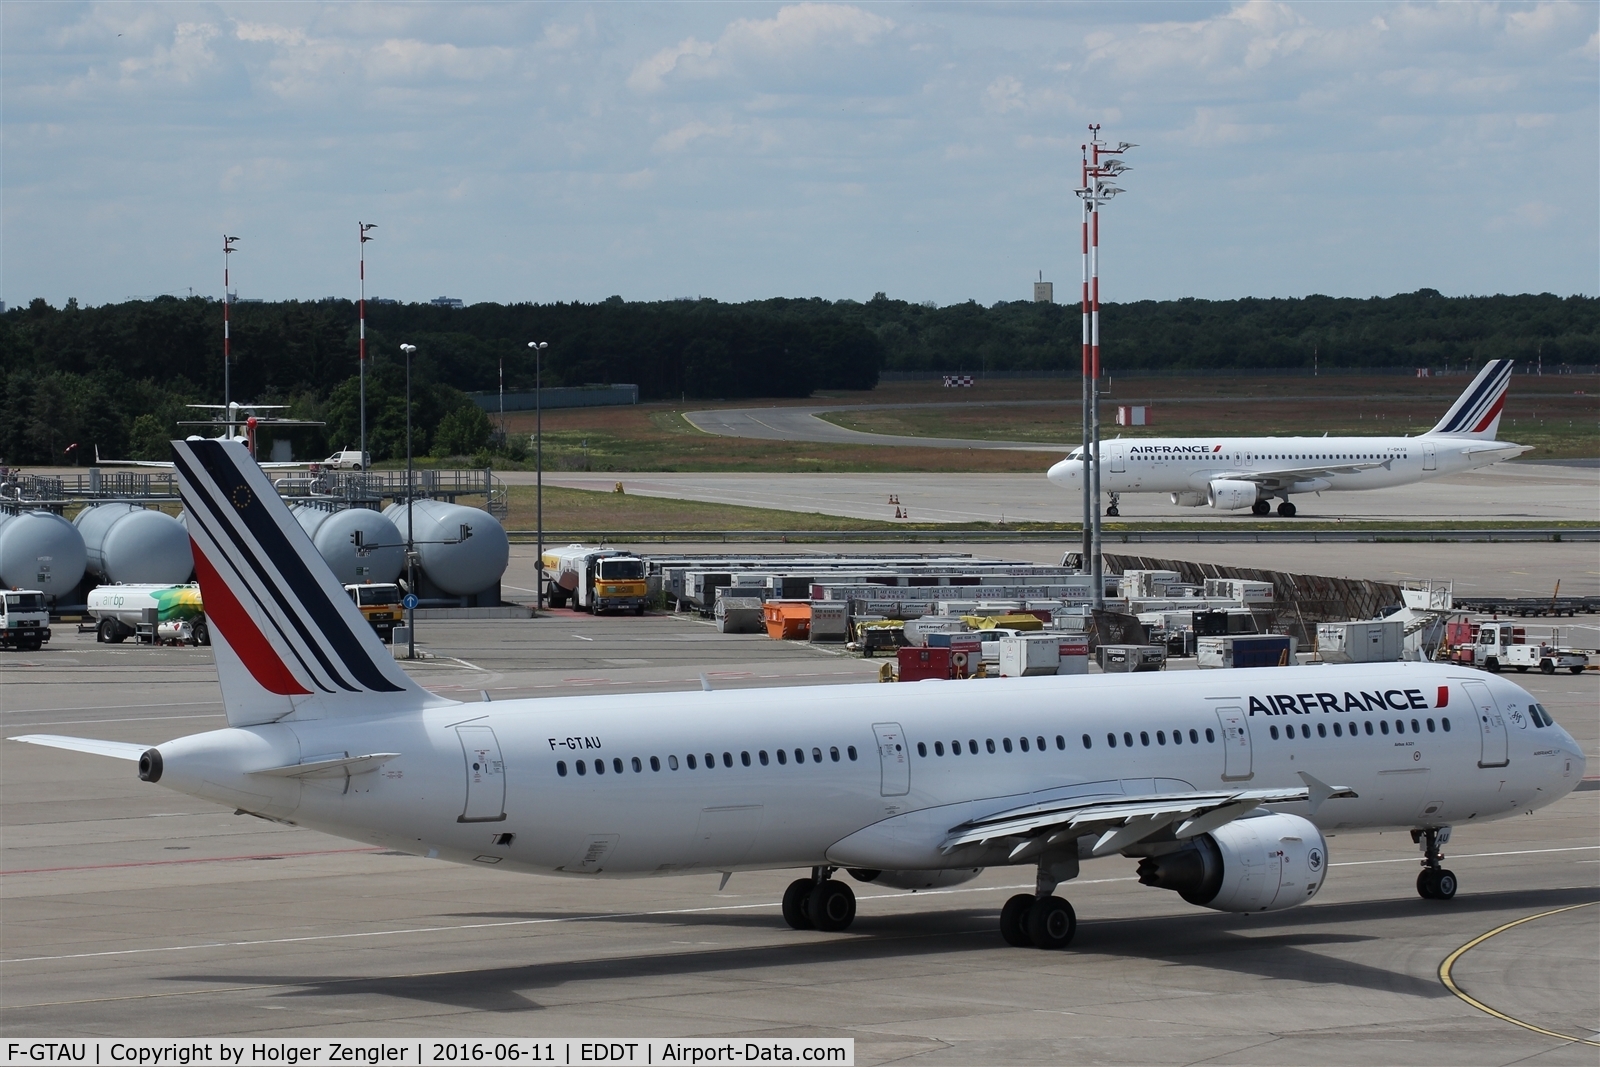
(499, 765)
(1303, 464)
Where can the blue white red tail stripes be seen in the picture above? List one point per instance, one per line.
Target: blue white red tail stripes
(1477, 412)
(288, 639)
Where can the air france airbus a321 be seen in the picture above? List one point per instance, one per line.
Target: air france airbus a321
(1248, 472)
(1222, 784)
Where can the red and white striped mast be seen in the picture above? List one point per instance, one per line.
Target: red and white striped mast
(362, 314)
(227, 341)
(1095, 191)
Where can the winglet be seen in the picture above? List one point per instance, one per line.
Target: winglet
(705, 684)
(1319, 791)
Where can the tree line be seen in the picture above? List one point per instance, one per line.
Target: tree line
(118, 375)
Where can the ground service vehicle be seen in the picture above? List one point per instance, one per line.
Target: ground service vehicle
(154, 613)
(24, 622)
(1220, 785)
(379, 604)
(1500, 645)
(348, 460)
(595, 579)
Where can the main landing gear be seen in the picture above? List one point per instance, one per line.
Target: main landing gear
(1264, 507)
(1112, 510)
(819, 902)
(1433, 882)
(1040, 920)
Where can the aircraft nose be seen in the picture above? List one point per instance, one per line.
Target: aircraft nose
(1064, 473)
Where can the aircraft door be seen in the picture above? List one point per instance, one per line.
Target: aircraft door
(1491, 725)
(1236, 751)
(893, 759)
(1430, 461)
(486, 775)
(1119, 457)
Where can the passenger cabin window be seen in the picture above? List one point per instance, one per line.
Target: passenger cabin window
(1061, 743)
(655, 763)
(851, 752)
(1111, 740)
(1211, 737)
(599, 766)
(672, 761)
(922, 748)
(581, 767)
(561, 767)
(1086, 742)
(783, 758)
(616, 765)
(762, 756)
(1006, 743)
(938, 748)
(1368, 726)
(744, 758)
(1445, 722)
(690, 759)
(989, 744)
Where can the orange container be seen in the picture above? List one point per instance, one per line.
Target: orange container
(787, 620)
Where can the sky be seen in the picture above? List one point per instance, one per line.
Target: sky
(557, 152)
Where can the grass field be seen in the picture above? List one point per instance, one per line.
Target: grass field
(1557, 415)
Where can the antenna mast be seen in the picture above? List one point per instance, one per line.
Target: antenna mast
(227, 350)
(1100, 163)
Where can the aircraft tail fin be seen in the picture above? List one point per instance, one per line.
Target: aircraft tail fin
(1476, 413)
(288, 640)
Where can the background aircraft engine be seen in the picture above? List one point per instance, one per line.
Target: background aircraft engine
(1189, 499)
(1227, 495)
(1267, 863)
(916, 879)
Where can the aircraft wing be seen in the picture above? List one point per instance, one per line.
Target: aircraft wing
(114, 749)
(1282, 477)
(1124, 821)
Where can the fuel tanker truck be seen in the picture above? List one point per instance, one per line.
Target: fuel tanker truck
(595, 579)
(157, 613)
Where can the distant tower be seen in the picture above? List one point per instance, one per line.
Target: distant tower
(1044, 292)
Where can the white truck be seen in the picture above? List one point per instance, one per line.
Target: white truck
(1502, 644)
(159, 614)
(24, 620)
(595, 579)
(350, 459)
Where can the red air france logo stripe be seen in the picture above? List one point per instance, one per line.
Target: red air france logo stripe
(240, 631)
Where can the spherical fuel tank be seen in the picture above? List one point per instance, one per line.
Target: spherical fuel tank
(380, 555)
(128, 544)
(463, 568)
(41, 550)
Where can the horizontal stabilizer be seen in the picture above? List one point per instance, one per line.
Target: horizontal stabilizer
(327, 767)
(114, 749)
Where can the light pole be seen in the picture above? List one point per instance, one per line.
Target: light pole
(538, 463)
(227, 351)
(365, 226)
(411, 544)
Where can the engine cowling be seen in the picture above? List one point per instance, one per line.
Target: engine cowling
(936, 879)
(1226, 494)
(1188, 499)
(1267, 863)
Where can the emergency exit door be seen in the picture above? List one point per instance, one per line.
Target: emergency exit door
(486, 775)
(1236, 752)
(1491, 725)
(893, 759)
(1119, 457)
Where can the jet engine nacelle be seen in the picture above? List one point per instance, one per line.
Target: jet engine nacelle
(1227, 495)
(1188, 499)
(916, 879)
(1267, 863)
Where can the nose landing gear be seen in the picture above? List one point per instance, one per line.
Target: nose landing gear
(1433, 882)
(1112, 510)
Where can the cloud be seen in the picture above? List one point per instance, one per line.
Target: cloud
(797, 37)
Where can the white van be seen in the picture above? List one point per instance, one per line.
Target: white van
(349, 460)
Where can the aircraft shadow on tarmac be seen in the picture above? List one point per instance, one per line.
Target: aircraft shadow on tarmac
(1215, 941)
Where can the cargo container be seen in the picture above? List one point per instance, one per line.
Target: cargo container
(1246, 650)
(1073, 653)
(921, 664)
(1130, 659)
(1372, 641)
(1029, 655)
(830, 621)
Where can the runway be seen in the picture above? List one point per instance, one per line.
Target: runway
(1513, 493)
(133, 911)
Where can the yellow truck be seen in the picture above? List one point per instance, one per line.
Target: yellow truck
(595, 579)
(379, 604)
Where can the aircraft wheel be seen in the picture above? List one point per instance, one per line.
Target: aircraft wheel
(794, 903)
(1051, 923)
(1425, 883)
(832, 905)
(1444, 885)
(1014, 921)
(1547, 666)
(1260, 507)
(1286, 510)
(1113, 511)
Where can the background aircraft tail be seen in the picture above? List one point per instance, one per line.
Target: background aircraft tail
(1477, 412)
(288, 640)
